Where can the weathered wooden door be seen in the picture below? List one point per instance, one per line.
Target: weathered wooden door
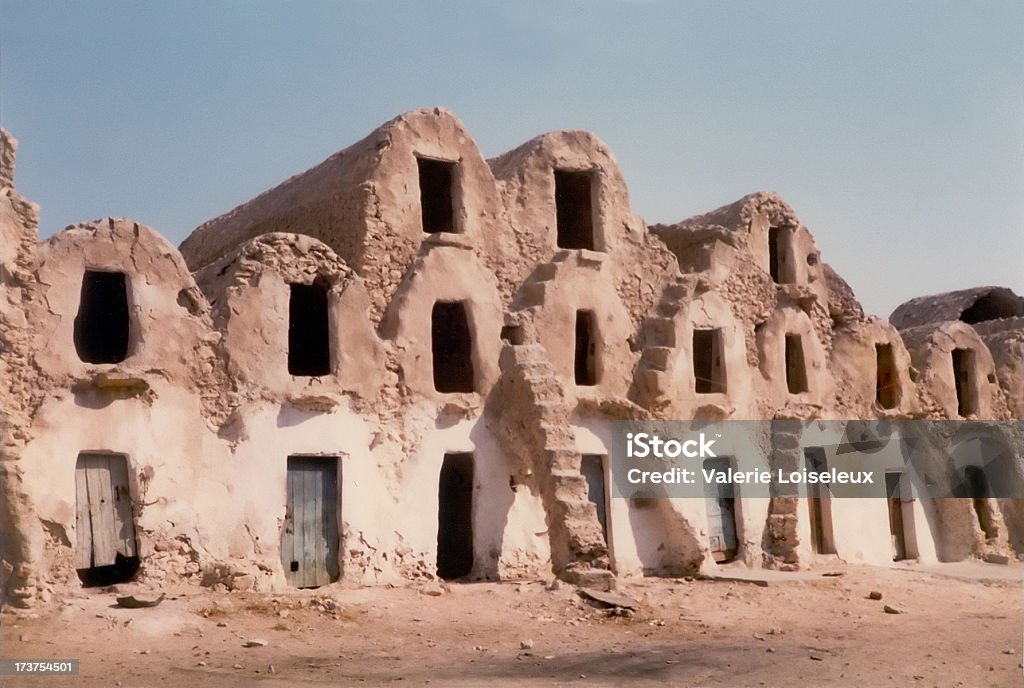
(892, 489)
(818, 504)
(104, 520)
(309, 539)
(721, 507)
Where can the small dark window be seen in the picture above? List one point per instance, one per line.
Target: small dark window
(963, 379)
(887, 381)
(455, 517)
(574, 209)
(102, 324)
(512, 334)
(779, 239)
(586, 349)
(437, 195)
(708, 368)
(309, 342)
(452, 347)
(796, 370)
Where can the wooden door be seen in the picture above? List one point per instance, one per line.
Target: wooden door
(892, 489)
(721, 507)
(104, 519)
(309, 538)
(819, 504)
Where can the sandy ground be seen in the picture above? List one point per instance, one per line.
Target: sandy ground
(961, 626)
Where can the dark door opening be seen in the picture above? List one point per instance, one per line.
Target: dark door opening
(309, 534)
(309, 339)
(106, 551)
(574, 209)
(708, 369)
(102, 324)
(437, 195)
(452, 347)
(720, 502)
(887, 381)
(963, 380)
(585, 368)
(455, 517)
(796, 368)
(981, 499)
(592, 468)
(896, 525)
(819, 505)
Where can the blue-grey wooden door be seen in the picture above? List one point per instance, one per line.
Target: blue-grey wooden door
(721, 507)
(309, 538)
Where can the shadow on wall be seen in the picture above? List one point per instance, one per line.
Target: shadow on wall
(666, 543)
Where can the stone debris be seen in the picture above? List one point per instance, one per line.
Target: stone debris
(610, 599)
(893, 609)
(874, 595)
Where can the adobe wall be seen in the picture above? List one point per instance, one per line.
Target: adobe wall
(206, 411)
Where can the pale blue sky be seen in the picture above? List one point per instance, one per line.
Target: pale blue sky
(896, 130)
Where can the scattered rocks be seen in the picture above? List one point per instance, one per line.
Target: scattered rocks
(996, 558)
(432, 589)
(526, 644)
(893, 609)
(874, 595)
(254, 642)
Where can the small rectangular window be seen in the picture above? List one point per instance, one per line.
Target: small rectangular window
(708, 368)
(574, 209)
(887, 382)
(102, 327)
(309, 347)
(779, 245)
(963, 379)
(452, 347)
(437, 195)
(796, 369)
(585, 368)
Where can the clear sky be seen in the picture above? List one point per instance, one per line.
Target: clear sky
(895, 130)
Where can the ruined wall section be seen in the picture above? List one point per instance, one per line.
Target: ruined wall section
(171, 373)
(249, 293)
(1005, 341)
(364, 202)
(931, 349)
(19, 236)
(525, 178)
(758, 257)
(980, 304)
(853, 361)
(530, 416)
